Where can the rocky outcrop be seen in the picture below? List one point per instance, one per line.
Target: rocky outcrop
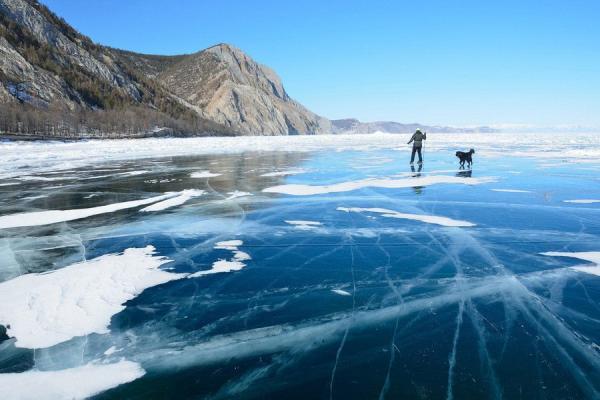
(234, 90)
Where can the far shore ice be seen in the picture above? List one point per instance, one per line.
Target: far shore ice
(42, 156)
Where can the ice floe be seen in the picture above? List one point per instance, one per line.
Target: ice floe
(285, 173)
(304, 225)
(236, 263)
(591, 256)
(183, 197)
(430, 219)
(72, 383)
(582, 201)
(41, 310)
(387, 183)
(37, 218)
(203, 174)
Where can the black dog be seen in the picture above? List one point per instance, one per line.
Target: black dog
(462, 156)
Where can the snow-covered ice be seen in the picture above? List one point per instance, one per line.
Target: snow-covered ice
(37, 218)
(203, 174)
(46, 309)
(304, 225)
(374, 286)
(429, 219)
(68, 384)
(182, 198)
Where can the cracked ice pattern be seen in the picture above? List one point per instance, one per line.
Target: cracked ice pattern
(420, 290)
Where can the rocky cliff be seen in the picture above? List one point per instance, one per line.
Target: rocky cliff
(46, 64)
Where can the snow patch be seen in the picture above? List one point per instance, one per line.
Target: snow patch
(304, 225)
(38, 218)
(430, 219)
(285, 173)
(234, 264)
(183, 197)
(41, 310)
(387, 183)
(591, 256)
(203, 174)
(237, 193)
(511, 190)
(72, 383)
(582, 201)
(341, 292)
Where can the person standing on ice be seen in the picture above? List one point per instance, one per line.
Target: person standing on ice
(417, 141)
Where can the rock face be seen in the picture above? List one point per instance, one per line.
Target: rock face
(232, 89)
(221, 84)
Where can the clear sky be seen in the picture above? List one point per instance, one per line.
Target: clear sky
(437, 62)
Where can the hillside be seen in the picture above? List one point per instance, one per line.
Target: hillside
(352, 125)
(57, 82)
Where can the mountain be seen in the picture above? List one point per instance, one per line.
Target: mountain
(57, 82)
(227, 86)
(352, 125)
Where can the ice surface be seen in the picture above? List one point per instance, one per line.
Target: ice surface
(54, 216)
(68, 384)
(389, 301)
(430, 219)
(45, 309)
(42, 156)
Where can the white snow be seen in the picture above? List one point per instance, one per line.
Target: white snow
(511, 190)
(307, 190)
(304, 225)
(37, 218)
(49, 308)
(591, 256)
(341, 292)
(235, 194)
(582, 201)
(430, 219)
(203, 174)
(68, 384)
(234, 264)
(41, 157)
(296, 171)
(183, 197)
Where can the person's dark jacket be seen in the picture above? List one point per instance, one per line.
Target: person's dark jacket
(418, 138)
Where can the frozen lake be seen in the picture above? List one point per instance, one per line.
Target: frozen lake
(301, 268)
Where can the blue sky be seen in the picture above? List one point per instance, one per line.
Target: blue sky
(437, 62)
